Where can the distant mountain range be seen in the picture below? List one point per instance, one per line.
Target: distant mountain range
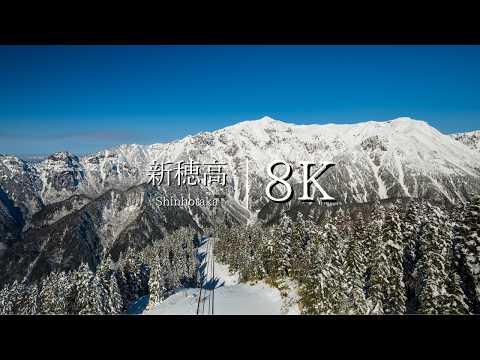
(64, 210)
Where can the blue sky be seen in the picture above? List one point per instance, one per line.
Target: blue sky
(86, 98)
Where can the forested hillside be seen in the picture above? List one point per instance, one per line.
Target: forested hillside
(397, 259)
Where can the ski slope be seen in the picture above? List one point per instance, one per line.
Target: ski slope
(223, 294)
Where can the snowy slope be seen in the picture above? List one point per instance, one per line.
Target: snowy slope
(240, 299)
(230, 297)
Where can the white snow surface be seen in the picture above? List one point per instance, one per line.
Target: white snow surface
(231, 297)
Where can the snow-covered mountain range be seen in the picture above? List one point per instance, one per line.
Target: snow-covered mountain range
(80, 205)
(401, 157)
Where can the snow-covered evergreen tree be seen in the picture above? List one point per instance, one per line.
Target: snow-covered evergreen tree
(467, 251)
(395, 293)
(342, 223)
(335, 271)
(312, 289)
(104, 277)
(434, 256)
(377, 262)
(88, 295)
(115, 301)
(356, 265)
(268, 255)
(410, 227)
(48, 295)
(7, 299)
(156, 283)
(284, 246)
(33, 300)
(297, 246)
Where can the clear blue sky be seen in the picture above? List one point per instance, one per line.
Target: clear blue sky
(86, 98)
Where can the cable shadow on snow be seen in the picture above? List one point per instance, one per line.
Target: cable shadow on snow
(212, 284)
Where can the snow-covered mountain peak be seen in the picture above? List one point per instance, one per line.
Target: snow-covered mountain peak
(265, 122)
(406, 123)
(266, 119)
(63, 156)
(404, 119)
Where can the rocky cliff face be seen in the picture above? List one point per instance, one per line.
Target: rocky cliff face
(471, 139)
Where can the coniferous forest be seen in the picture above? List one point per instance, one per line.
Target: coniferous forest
(113, 286)
(410, 258)
(404, 257)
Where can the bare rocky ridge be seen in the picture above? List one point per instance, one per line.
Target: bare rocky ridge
(471, 139)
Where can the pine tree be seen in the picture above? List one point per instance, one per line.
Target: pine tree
(103, 276)
(467, 251)
(374, 230)
(335, 271)
(411, 230)
(6, 301)
(156, 283)
(96, 298)
(48, 295)
(377, 263)
(410, 226)
(123, 288)
(21, 298)
(395, 296)
(268, 255)
(299, 236)
(132, 288)
(9, 296)
(88, 294)
(433, 257)
(115, 301)
(284, 251)
(356, 265)
(341, 222)
(455, 301)
(33, 300)
(312, 289)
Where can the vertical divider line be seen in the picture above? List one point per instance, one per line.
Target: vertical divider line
(246, 183)
(213, 277)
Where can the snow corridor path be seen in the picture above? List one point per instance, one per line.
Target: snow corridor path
(221, 293)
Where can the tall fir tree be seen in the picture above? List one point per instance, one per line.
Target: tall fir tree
(284, 246)
(377, 263)
(411, 230)
(156, 283)
(299, 235)
(395, 293)
(467, 252)
(335, 289)
(434, 252)
(312, 288)
(356, 265)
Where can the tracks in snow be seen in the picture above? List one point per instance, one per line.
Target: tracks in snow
(206, 298)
